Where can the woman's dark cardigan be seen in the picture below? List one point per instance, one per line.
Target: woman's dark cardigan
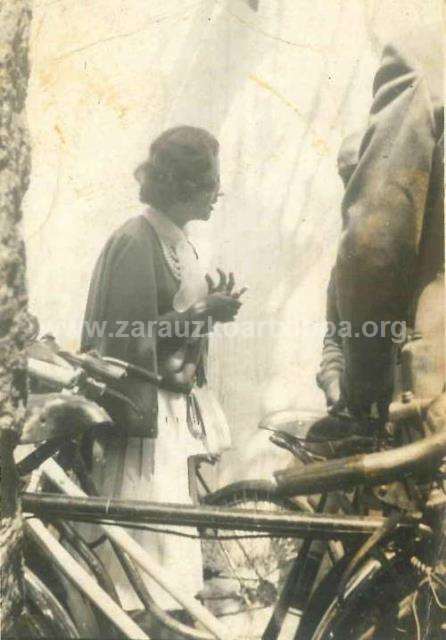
(131, 287)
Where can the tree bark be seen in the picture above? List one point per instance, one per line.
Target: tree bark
(15, 16)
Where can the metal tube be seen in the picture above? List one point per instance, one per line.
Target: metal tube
(88, 556)
(163, 577)
(84, 581)
(294, 524)
(370, 469)
(53, 374)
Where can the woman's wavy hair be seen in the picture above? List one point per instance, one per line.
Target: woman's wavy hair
(178, 161)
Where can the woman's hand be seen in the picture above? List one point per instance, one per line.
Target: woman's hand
(225, 285)
(221, 307)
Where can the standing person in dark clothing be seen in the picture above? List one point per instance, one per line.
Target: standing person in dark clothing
(332, 364)
(390, 264)
(157, 305)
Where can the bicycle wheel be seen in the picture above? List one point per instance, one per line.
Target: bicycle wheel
(43, 616)
(246, 573)
(395, 604)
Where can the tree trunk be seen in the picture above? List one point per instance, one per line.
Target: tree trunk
(15, 16)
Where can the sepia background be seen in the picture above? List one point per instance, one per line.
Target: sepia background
(280, 87)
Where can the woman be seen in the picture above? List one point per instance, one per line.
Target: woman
(157, 306)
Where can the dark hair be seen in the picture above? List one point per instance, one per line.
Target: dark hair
(177, 162)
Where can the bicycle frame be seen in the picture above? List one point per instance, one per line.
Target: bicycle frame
(375, 468)
(84, 582)
(73, 504)
(109, 514)
(53, 472)
(293, 525)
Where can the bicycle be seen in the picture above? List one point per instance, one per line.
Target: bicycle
(78, 381)
(408, 570)
(56, 422)
(50, 372)
(299, 524)
(414, 532)
(394, 586)
(47, 372)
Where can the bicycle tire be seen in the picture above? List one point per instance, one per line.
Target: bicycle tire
(248, 489)
(381, 610)
(75, 603)
(321, 600)
(46, 614)
(257, 565)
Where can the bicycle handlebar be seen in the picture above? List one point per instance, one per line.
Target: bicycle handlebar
(370, 469)
(94, 366)
(110, 369)
(83, 365)
(54, 374)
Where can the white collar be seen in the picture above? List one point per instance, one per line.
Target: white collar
(193, 285)
(165, 228)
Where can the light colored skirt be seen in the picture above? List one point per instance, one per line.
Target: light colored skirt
(157, 471)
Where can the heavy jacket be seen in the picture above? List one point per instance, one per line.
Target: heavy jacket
(392, 246)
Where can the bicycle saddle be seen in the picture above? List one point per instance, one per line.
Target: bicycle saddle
(325, 435)
(292, 422)
(59, 415)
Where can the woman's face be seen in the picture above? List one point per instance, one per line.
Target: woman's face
(200, 206)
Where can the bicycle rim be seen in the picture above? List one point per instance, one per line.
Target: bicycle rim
(386, 610)
(247, 573)
(45, 611)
